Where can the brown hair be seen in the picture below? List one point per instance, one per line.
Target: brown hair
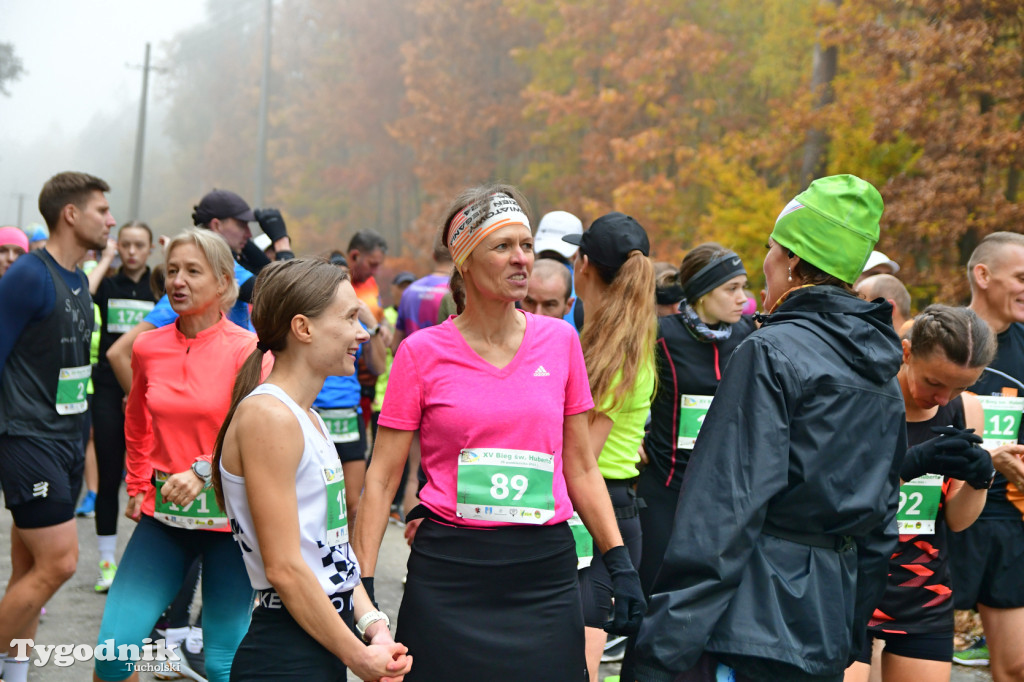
(139, 224)
(283, 289)
(620, 335)
(158, 281)
(958, 333)
(66, 188)
(697, 258)
(471, 197)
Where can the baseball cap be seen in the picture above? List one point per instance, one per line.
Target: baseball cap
(833, 225)
(221, 204)
(610, 240)
(878, 258)
(553, 226)
(404, 277)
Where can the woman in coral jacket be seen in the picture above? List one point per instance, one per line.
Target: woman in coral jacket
(182, 378)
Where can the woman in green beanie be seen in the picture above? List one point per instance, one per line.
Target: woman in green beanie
(785, 521)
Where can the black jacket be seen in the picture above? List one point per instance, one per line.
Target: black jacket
(807, 433)
(685, 365)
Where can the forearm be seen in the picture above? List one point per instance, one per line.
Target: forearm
(590, 499)
(97, 274)
(964, 505)
(376, 354)
(119, 355)
(382, 480)
(311, 608)
(370, 523)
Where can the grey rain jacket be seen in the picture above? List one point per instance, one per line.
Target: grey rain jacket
(807, 432)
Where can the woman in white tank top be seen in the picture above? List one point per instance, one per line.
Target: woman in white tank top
(277, 474)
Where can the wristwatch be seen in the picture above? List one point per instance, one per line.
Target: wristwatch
(368, 619)
(204, 470)
(373, 332)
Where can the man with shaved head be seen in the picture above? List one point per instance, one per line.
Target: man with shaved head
(893, 291)
(986, 559)
(550, 289)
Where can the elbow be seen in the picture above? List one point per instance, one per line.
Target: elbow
(282, 575)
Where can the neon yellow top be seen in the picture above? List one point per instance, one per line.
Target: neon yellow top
(620, 455)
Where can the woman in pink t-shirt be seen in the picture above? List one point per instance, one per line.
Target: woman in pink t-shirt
(499, 398)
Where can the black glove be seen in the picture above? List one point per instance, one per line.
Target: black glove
(954, 453)
(271, 223)
(368, 586)
(630, 605)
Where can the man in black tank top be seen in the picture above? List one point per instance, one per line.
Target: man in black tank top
(987, 558)
(46, 323)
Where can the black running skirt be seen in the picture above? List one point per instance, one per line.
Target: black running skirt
(498, 605)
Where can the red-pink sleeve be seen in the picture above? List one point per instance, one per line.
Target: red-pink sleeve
(403, 400)
(577, 385)
(138, 432)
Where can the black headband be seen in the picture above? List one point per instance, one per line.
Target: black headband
(715, 273)
(669, 295)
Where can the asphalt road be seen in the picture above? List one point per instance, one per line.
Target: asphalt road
(73, 615)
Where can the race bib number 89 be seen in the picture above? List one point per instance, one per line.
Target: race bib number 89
(508, 486)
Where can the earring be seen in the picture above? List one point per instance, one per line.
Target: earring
(790, 274)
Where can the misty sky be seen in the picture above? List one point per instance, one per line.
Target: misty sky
(76, 56)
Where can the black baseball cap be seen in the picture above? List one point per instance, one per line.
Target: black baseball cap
(610, 239)
(404, 277)
(221, 204)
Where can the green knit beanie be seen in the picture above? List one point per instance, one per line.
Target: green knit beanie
(833, 225)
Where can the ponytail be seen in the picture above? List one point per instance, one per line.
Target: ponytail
(247, 379)
(620, 334)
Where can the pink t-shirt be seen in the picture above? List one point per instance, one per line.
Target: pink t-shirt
(457, 400)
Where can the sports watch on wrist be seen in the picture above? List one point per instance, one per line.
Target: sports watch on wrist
(368, 619)
(204, 470)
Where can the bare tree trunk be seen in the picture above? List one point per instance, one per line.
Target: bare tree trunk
(823, 72)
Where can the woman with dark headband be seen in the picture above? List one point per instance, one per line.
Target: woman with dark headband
(691, 351)
(500, 400)
(785, 521)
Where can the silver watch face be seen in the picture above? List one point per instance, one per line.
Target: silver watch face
(202, 468)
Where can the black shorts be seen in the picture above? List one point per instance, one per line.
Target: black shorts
(985, 563)
(926, 647)
(355, 450)
(40, 478)
(274, 629)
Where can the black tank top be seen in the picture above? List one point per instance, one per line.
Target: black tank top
(28, 387)
(918, 598)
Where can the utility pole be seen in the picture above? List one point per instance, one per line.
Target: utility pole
(261, 142)
(21, 203)
(140, 143)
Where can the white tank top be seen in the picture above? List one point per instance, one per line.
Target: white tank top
(335, 566)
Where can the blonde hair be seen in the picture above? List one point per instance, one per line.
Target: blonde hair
(217, 254)
(620, 334)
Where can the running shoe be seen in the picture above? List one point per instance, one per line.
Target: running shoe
(975, 655)
(192, 653)
(108, 570)
(396, 517)
(614, 650)
(88, 506)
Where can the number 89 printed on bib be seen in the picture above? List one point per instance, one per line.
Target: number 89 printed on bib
(506, 486)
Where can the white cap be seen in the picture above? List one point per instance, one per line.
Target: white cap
(262, 241)
(878, 258)
(553, 226)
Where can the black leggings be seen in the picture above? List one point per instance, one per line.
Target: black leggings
(595, 583)
(108, 435)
